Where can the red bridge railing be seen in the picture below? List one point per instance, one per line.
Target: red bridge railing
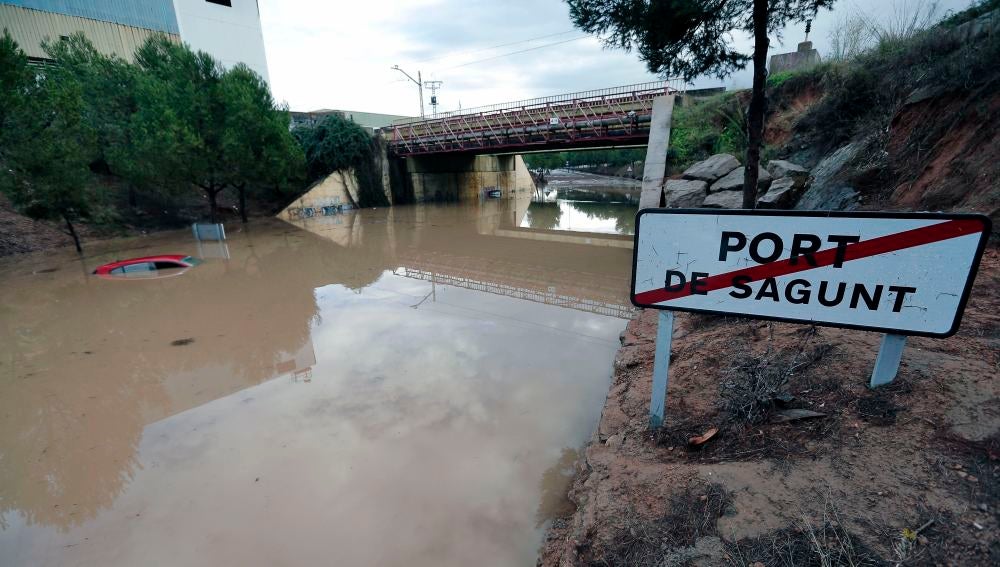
(617, 114)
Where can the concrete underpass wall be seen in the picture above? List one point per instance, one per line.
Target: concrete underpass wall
(334, 193)
(461, 177)
(340, 190)
(417, 180)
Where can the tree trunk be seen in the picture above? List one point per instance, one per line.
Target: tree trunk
(212, 193)
(758, 104)
(131, 197)
(243, 201)
(72, 232)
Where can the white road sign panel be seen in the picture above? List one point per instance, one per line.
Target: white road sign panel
(904, 273)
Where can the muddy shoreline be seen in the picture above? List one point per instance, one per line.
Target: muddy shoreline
(907, 474)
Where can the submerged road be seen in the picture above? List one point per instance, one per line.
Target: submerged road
(302, 398)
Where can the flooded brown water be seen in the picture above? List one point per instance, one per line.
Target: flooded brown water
(583, 202)
(403, 386)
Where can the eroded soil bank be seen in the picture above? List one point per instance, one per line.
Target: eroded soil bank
(907, 474)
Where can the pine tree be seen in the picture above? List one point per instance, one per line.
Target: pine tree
(691, 38)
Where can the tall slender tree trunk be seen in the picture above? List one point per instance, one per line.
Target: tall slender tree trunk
(212, 204)
(758, 104)
(72, 232)
(242, 189)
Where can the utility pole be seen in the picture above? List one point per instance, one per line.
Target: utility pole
(434, 86)
(420, 85)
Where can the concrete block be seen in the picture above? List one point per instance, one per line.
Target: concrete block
(804, 57)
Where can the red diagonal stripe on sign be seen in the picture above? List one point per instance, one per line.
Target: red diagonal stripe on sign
(864, 249)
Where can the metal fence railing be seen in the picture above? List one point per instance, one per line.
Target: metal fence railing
(611, 309)
(640, 89)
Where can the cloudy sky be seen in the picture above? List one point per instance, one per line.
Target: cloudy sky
(339, 54)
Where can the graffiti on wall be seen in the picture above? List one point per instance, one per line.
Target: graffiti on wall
(321, 210)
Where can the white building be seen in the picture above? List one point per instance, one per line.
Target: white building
(229, 30)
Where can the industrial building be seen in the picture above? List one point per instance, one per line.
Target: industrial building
(370, 120)
(229, 30)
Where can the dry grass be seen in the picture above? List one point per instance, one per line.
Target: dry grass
(826, 543)
(754, 384)
(640, 542)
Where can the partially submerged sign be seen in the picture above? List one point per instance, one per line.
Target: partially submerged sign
(901, 273)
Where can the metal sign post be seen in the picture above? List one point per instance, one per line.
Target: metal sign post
(887, 362)
(661, 369)
(898, 273)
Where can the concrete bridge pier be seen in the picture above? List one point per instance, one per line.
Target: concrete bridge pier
(655, 168)
(460, 177)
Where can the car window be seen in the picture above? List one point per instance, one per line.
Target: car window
(167, 265)
(140, 267)
(118, 270)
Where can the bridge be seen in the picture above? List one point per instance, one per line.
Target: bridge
(618, 116)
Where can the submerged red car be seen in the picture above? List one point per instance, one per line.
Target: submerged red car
(164, 265)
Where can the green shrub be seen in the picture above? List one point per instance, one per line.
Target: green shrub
(705, 127)
(788, 84)
(338, 144)
(978, 9)
(777, 79)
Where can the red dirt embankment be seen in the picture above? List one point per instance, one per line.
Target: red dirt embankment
(906, 474)
(946, 151)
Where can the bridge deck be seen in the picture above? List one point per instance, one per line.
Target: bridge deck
(614, 116)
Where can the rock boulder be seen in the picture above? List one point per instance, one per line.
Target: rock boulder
(830, 189)
(779, 168)
(782, 194)
(733, 181)
(724, 200)
(713, 168)
(683, 193)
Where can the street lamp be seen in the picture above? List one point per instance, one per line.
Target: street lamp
(420, 85)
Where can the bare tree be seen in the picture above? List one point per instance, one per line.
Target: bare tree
(906, 19)
(850, 37)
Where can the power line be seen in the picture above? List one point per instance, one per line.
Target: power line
(494, 47)
(515, 52)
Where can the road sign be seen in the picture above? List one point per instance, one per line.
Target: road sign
(906, 273)
(898, 273)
